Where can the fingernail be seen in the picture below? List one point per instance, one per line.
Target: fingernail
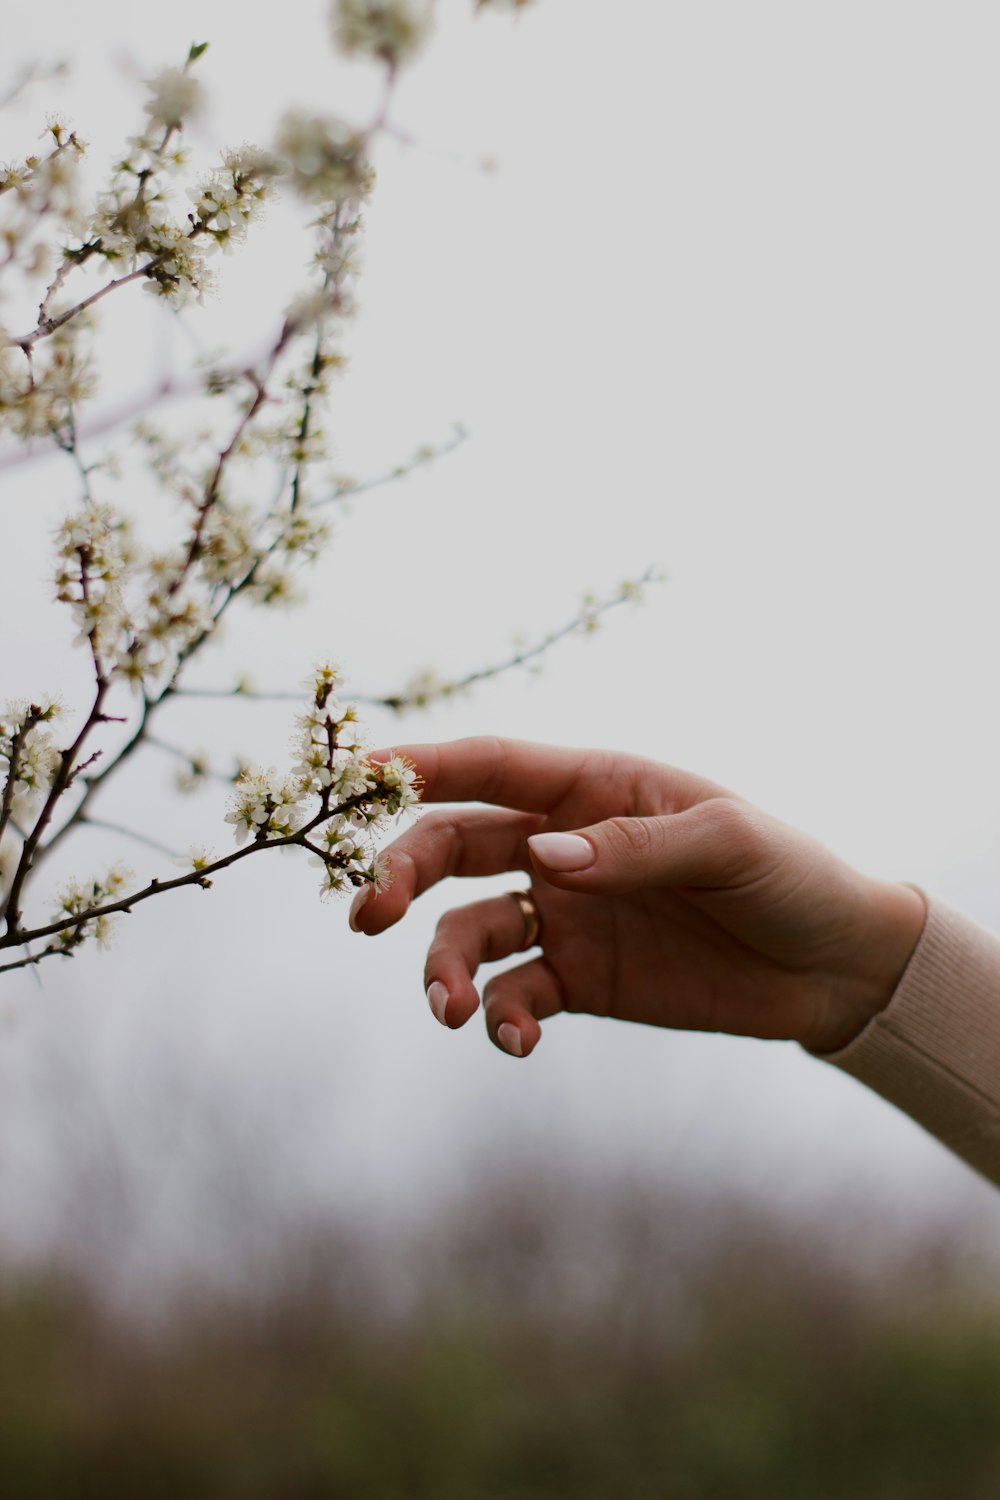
(363, 895)
(508, 1035)
(437, 999)
(562, 851)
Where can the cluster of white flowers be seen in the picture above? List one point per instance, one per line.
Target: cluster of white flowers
(29, 757)
(94, 551)
(136, 226)
(325, 159)
(37, 399)
(80, 896)
(231, 198)
(391, 30)
(142, 615)
(172, 615)
(37, 193)
(334, 793)
(266, 805)
(230, 546)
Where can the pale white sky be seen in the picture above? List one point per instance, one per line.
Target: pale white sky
(729, 305)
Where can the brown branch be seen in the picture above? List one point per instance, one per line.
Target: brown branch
(70, 264)
(63, 777)
(166, 389)
(28, 340)
(16, 745)
(199, 877)
(24, 963)
(260, 396)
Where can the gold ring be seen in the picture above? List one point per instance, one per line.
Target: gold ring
(532, 921)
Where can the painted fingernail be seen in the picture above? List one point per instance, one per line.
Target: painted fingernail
(437, 999)
(363, 895)
(508, 1035)
(562, 851)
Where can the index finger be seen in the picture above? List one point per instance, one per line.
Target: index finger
(488, 768)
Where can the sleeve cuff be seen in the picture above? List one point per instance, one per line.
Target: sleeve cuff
(934, 1052)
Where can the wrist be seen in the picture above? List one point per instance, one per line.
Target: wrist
(894, 920)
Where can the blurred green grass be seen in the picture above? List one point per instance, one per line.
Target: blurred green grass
(541, 1341)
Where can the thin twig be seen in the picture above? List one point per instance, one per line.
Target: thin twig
(419, 461)
(27, 340)
(179, 753)
(132, 833)
(24, 963)
(31, 73)
(398, 701)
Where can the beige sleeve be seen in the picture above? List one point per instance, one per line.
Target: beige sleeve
(935, 1049)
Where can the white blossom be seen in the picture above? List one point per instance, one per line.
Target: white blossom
(35, 760)
(325, 158)
(81, 896)
(231, 198)
(399, 777)
(95, 553)
(392, 30)
(265, 805)
(174, 97)
(36, 400)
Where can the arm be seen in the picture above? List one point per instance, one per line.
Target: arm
(934, 1050)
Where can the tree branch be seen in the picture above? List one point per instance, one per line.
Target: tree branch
(27, 341)
(200, 877)
(131, 833)
(64, 776)
(400, 701)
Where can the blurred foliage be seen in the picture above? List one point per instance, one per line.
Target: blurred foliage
(539, 1342)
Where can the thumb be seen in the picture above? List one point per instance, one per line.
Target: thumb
(714, 843)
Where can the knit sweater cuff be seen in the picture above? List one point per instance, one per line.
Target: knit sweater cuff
(934, 1051)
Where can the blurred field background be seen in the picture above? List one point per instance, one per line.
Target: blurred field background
(729, 305)
(542, 1339)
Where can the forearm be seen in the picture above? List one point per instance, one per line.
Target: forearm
(934, 1049)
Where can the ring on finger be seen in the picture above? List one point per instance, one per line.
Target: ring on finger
(532, 919)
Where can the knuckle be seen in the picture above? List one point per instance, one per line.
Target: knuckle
(442, 840)
(727, 818)
(632, 838)
(737, 828)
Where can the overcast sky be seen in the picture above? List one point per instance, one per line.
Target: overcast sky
(728, 305)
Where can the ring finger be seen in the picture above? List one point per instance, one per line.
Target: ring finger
(466, 937)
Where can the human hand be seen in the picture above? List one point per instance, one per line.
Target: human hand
(672, 901)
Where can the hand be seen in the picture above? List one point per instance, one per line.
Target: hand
(671, 901)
